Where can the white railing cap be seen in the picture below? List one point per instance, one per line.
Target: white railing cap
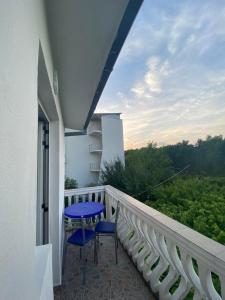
(196, 244)
(85, 190)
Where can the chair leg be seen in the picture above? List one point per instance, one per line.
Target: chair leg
(80, 253)
(95, 251)
(116, 246)
(98, 239)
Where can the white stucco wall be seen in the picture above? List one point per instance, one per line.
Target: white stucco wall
(78, 159)
(78, 156)
(44, 271)
(112, 139)
(22, 27)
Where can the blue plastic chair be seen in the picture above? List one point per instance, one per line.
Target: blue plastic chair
(109, 229)
(82, 237)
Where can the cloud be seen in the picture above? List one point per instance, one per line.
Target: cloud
(151, 83)
(170, 78)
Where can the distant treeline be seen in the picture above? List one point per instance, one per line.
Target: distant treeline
(206, 157)
(150, 166)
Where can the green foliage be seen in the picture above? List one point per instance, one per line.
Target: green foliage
(114, 174)
(195, 198)
(144, 168)
(70, 183)
(198, 202)
(205, 158)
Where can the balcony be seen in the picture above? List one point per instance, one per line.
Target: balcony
(95, 148)
(174, 261)
(94, 167)
(95, 131)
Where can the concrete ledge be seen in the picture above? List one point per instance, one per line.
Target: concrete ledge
(44, 272)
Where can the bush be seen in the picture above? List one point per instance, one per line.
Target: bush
(70, 183)
(143, 169)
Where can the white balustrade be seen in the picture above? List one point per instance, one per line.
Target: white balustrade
(95, 148)
(95, 194)
(94, 167)
(174, 259)
(85, 194)
(94, 130)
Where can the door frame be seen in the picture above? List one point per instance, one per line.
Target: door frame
(42, 220)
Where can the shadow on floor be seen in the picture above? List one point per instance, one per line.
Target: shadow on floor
(104, 281)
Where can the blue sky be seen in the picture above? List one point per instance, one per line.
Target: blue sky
(169, 80)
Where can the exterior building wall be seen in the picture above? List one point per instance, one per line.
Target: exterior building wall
(23, 26)
(112, 139)
(105, 133)
(26, 75)
(78, 160)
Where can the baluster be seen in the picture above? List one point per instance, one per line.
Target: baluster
(164, 265)
(69, 200)
(138, 255)
(129, 238)
(89, 197)
(146, 248)
(156, 273)
(121, 222)
(76, 199)
(206, 282)
(135, 238)
(149, 262)
(184, 285)
(108, 207)
(160, 268)
(83, 198)
(125, 231)
(172, 275)
(222, 284)
(187, 263)
(102, 197)
(96, 197)
(141, 258)
(102, 201)
(135, 250)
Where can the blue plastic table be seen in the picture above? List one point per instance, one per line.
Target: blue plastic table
(84, 210)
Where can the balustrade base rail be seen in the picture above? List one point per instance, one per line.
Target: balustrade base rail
(176, 261)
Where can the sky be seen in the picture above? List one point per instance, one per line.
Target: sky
(169, 79)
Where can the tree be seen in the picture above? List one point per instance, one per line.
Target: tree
(143, 169)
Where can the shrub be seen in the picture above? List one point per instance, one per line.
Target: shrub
(70, 183)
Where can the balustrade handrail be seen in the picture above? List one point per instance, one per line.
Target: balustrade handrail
(198, 244)
(95, 147)
(83, 191)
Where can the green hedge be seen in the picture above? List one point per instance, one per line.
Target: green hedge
(198, 202)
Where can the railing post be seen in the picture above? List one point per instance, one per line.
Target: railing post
(108, 206)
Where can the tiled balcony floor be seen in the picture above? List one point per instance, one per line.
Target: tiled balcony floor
(104, 281)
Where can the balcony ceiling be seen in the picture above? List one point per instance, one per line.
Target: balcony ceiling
(86, 37)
